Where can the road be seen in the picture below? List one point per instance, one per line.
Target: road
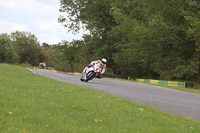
(171, 101)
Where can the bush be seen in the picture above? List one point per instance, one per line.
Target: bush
(194, 85)
(25, 64)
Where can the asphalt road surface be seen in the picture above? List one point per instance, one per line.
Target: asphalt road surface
(171, 101)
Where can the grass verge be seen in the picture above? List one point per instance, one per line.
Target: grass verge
(190, 90)
(33, 104)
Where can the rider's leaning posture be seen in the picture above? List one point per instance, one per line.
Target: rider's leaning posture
(102, 65)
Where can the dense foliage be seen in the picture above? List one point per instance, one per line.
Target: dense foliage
(21, 48)
(66, 56)
(146, 39)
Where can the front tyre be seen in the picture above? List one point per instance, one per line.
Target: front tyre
(89, 76)
(82, 79)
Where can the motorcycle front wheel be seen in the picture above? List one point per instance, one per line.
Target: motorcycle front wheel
(89, 76)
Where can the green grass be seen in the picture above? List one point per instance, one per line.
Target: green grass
(190, 90)
(42, 105)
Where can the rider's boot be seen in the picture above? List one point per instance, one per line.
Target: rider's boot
(99, 76)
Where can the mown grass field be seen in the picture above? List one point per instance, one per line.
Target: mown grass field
(33, 104)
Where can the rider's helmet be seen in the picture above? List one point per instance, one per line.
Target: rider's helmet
(103, 60)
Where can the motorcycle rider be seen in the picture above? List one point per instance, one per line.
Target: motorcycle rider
(101, 63)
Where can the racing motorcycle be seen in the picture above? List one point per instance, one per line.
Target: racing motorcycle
(91, 73)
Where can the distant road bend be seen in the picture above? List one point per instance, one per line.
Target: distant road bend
(171, 101)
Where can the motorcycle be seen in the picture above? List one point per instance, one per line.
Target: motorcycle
(91, 73)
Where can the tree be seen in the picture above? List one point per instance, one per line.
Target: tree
(146, 39)
(152, 36)
(95, 17)
(21, 47)
(27, 47)
(8, 52)
(45, 46)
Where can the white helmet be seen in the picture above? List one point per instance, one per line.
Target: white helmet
(103, 60)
